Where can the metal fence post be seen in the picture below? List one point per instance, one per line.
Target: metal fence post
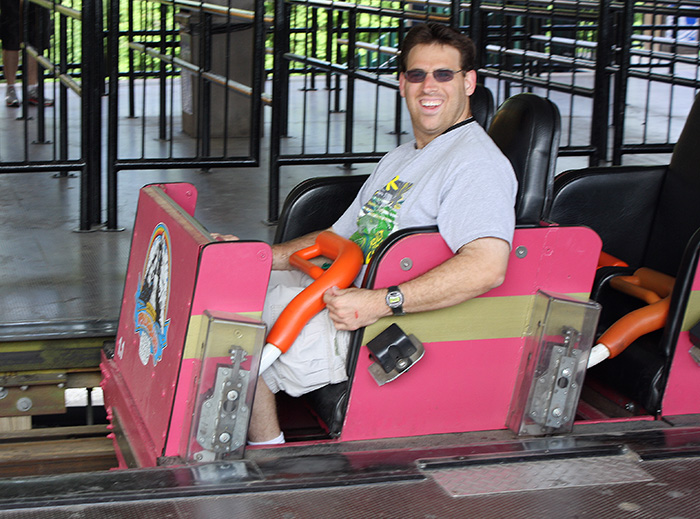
(625, 30)
(113, 108)
(476, 32)
(398, 107)
(63, 90)
(256, 129)
(350, 90)
(601, 95)
(455, 13)
(91, 177)
(281, 35)
(163, 75)
(132, 78)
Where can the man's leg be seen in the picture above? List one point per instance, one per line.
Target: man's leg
(313, 361)
(10, 63)
(32, 75)
(33, 82)
(264, 425)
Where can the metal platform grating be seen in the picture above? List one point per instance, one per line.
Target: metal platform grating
(670, 495)
(540, 475)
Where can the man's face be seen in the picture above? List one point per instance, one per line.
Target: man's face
(435, 106)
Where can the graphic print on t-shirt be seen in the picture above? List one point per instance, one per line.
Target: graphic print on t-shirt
(377, 217)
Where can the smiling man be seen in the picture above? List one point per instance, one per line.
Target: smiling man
(452, 176)
(436, 84)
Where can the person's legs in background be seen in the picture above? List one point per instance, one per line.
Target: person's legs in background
(33, 82)
(10, 63)
(38, 37)
(10, 35)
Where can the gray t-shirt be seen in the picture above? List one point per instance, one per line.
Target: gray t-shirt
(460, 182)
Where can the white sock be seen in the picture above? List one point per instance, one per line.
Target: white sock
(274, 441)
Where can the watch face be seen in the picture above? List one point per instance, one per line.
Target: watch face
(394, 299)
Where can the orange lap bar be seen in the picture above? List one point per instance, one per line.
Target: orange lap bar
(608, 260)
(650, 286)
(347, 262)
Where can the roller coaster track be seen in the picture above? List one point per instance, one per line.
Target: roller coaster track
(56, 450)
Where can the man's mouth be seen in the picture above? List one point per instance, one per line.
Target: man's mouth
(430, 103)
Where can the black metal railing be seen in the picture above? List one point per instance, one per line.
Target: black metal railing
(50, 140)
(201, 90)
(590, 57)
(188, 81)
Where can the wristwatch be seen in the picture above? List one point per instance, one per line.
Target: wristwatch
(394, 300)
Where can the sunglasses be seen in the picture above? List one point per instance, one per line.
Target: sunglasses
(441, 75)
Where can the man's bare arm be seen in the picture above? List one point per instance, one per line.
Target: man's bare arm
(282, 251)
(477, 267)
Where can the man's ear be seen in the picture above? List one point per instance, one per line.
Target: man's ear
(402, 84)
(470, 81)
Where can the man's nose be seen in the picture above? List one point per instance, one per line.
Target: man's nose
(430, 83)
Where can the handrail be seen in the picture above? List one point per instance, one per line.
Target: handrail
(48, 65)
(342, 69)
(371, 46)
(533, 55)
(369, 9)
(216, 78)
(213, 9)
(67, 11)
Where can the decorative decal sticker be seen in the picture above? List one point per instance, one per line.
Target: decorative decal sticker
(377, 218)
(152, 298)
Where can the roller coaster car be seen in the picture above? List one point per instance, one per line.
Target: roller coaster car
(180, 382)
(648, 217)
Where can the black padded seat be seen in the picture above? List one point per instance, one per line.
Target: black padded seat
(646, 216)
(527, 129)
(315, 204)
(616, 202)
(482, 105)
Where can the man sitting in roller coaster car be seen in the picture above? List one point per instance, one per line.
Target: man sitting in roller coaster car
(452, 175)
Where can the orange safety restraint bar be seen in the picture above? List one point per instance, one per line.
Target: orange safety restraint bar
(650, 286)
(347, 262)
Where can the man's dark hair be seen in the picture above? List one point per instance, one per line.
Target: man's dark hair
(431, 32)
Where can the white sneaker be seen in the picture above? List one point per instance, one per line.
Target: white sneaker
(34, 97)
(11, 97)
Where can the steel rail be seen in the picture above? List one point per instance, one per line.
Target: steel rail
(216, 78)
(516, 78)
(212, 9)
(368, 9)
(371, 46)
(342, 69)
(535, 55)
(64, 10)
(48, 65)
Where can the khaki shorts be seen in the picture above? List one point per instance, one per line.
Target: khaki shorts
(317, 357)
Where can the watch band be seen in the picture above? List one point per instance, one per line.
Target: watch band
(394, 300)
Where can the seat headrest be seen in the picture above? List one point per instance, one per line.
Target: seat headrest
(526, 128)
(482, 105)
(316, 204)
(677, 215)
(686, 154)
